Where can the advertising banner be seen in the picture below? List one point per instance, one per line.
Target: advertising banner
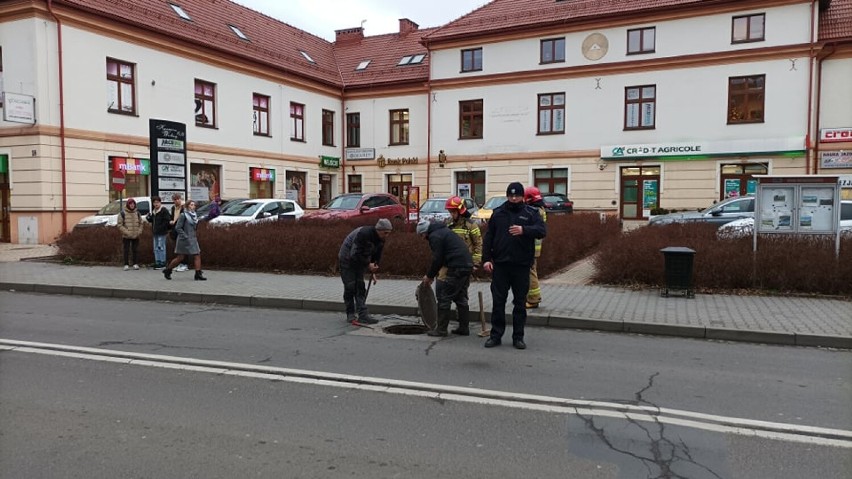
(167, 142)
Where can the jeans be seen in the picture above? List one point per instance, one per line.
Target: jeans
(131, 248)
(517, 278)
(160, 250)
(354, 291)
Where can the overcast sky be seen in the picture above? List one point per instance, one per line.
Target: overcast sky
(323, 17)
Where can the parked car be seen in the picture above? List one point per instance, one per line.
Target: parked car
(204, 211)
(108, 215)
(484, 214)
(718, 214)
(557, 203)
(253, 211)
(361, 205)
(745, 227)
(435, 209)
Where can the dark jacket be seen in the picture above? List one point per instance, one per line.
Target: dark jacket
(159, 221)
(448, 249)
(501, 247)
(360, 248)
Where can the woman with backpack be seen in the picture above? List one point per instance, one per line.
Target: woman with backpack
(130, 226)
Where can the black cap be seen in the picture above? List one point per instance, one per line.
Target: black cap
(515, 188)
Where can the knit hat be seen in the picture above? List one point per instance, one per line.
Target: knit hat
(515, 188)
(384, 225)
(423, 226)
(131, 202)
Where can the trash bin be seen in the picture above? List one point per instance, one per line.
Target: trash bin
(678, 271)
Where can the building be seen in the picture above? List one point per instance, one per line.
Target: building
(624, 106)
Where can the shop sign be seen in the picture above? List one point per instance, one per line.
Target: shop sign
(130, 166)
(4, 163)
(360, 154)
(262, 174)
(329, 162)
(705, 148)
(19, 108)
(835, 135)
(382, 161)
(836, 159)
(167, 144)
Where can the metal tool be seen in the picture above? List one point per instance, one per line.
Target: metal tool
(486, 331)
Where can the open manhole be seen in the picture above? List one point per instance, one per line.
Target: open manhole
(405, 329)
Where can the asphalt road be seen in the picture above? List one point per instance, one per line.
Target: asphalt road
(63, 416)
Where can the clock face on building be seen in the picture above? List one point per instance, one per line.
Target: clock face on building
(595, 46)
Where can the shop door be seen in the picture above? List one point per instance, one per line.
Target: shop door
(472, 182)
(398, 186)
(325, 192)
(640, 186)
(739, 180)
(5, 229)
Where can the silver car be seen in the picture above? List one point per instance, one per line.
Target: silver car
(718, 214)
(435, 209)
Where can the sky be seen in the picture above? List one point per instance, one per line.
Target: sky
(323, 17)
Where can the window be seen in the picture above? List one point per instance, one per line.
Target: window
(404, 60)
(745, 99)
(205, 104)
(307, 57)
(640, 107)
(260, 118)
(551, 113)
(363, 65)
(399, 127)
(121, 86)
(748, 28)
(328, 128)
(297, 121)
(551, 181)
(553, 50)
(471, 60)
(470, 119)
(238, 32)
(355, 183)
(411, 59)
(641, 40)
(353, 130)
(180, 12)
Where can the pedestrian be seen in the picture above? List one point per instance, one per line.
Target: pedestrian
(467, 230)
(508, 252)
(450, 253)
(177, 210)
(130, 226)
(532, 197)
(361, 252)
(215, 208)
(187, 242)
(159, 217)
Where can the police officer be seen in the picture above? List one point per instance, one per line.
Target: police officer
(450, 251)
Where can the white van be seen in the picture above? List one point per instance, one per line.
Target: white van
(108, 215)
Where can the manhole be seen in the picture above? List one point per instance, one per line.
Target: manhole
(405, 329)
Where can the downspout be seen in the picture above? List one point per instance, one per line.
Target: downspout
(810, 121)
(342, 124)
(61, 118)
(428, 122)
(818, 102)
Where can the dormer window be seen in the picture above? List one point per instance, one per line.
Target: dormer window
(363, 65)
(238, 32)
(180, 12)
(307, 57)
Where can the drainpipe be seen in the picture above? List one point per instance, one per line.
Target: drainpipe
(342, 143)
(818, 102)
(61, 118)
(428, 136)
(808, 138)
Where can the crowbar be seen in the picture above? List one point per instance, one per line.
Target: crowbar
(486, 331)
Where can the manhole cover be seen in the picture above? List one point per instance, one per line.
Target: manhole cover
(406, 329)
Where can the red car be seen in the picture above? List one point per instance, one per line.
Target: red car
(358, 205)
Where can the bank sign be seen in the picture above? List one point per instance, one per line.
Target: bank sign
(695, 149)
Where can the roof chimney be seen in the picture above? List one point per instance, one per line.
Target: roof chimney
(406, 26)
(349, 35)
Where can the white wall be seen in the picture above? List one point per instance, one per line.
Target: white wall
(836, 99)
(375, 124)
(786, 25)
(29, 61)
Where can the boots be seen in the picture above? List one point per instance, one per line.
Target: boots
(443, 322)
(167, 272)
(464, 321)
(199, 276)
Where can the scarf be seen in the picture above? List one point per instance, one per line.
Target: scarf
(191, 217)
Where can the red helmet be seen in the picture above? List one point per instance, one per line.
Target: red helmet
(456, 203)
(532, 195)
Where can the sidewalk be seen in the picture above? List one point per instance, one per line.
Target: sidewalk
(567, 304)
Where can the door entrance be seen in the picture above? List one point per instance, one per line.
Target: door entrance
(739, 180)
(325, 193)
(398, 186)
(5, 191)
(640, 187)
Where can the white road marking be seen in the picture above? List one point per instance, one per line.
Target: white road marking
(550, 404)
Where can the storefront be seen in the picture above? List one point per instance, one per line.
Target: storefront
(137, 172)
(471, 184)
(261, 183)
(329, 165)
(296, 189)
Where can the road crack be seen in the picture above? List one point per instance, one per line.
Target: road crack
(159, 346)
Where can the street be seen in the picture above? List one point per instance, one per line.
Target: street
(237, 392)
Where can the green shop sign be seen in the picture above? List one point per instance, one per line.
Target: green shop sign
(4, 163)
(329, 162)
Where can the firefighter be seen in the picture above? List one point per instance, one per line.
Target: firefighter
(461, 224)
(532, 197)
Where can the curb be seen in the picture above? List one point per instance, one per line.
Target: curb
(551, 321)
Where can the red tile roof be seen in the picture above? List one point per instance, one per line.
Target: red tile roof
(384, 53)
(836, 22)
(270, 41)
(507, 15)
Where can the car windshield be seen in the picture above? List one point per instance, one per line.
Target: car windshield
(554, 199)
(727, 206)
(494, 202)
(343, 203)
(433, 206)
(242, 209)
(112, 208)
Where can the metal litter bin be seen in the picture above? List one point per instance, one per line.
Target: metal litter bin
(678, 270)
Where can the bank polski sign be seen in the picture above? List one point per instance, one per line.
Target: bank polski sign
(656, 150)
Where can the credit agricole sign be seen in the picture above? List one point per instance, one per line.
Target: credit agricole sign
(694, 149)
